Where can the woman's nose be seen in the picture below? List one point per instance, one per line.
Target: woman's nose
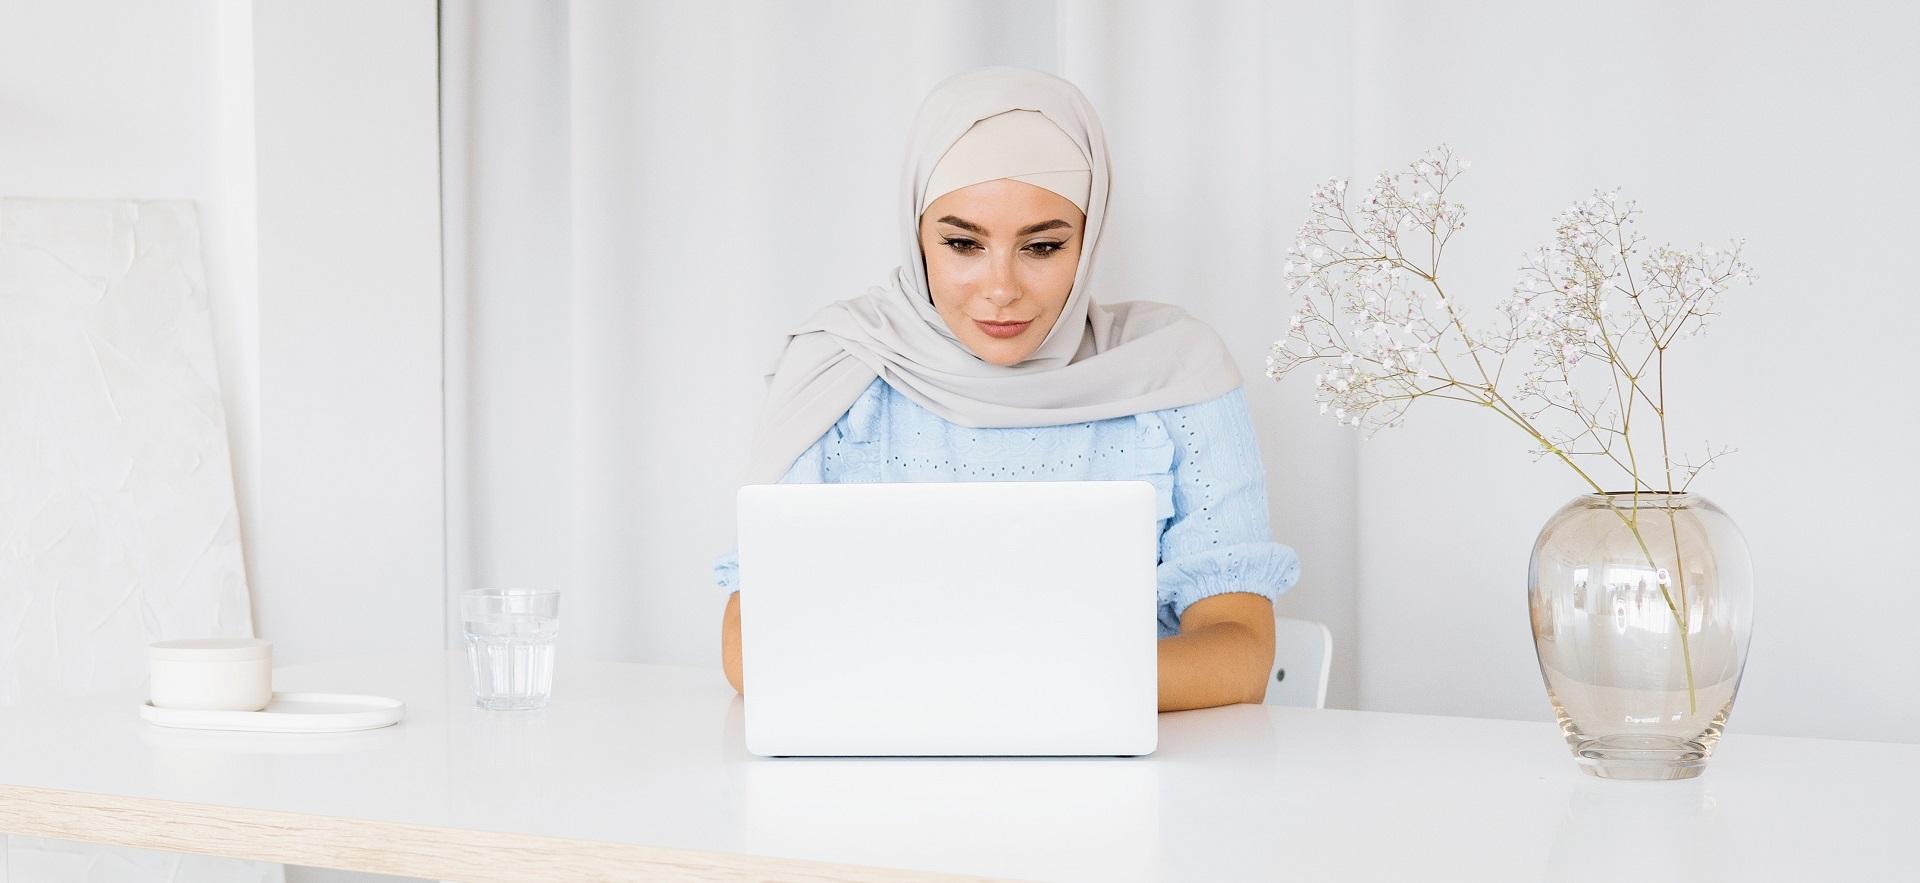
(1002, 287)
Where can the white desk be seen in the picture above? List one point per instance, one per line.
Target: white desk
(646, 763)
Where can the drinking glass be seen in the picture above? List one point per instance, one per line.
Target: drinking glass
(510, 635)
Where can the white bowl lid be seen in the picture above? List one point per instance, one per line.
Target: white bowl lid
(211, 649)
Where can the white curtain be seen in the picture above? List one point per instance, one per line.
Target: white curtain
(641, 197)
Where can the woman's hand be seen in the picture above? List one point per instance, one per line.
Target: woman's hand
(730, 642)
(1222, 655)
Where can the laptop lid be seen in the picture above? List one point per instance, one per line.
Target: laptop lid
(949, 618)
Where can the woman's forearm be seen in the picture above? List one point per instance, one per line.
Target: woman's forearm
(730, 642)
(1218, 664)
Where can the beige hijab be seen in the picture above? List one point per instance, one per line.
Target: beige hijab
(1098, 361)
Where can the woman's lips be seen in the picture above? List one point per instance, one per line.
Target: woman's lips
(1003, 330)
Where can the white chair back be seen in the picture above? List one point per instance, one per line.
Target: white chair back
(1302, 657)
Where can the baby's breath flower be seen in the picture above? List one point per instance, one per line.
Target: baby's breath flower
(1589, 306)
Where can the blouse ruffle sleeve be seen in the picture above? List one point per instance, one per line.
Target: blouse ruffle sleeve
(808, 468)
(1219, 539)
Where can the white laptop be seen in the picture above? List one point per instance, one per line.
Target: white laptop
(949, 618)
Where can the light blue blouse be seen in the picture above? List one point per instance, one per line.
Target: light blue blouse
(1202, 458)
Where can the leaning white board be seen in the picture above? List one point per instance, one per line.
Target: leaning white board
(117, 517)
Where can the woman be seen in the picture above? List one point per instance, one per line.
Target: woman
(986, 358)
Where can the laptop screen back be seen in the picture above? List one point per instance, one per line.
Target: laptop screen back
(949, 618)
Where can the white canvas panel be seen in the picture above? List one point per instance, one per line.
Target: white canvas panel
(117, 518)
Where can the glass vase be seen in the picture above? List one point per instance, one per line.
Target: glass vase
(1642, 605)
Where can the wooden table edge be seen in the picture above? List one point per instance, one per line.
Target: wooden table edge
(408, 850)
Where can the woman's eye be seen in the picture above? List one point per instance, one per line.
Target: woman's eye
(1040, 249)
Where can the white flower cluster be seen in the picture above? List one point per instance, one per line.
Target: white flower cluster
(1592, 297)
(1374, 314)
(1362, 307)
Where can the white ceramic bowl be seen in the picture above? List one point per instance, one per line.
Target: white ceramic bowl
(214, 674)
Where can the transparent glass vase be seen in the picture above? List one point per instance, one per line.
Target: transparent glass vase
(1642, 606)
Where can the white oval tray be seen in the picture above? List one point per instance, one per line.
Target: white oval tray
(288, 713)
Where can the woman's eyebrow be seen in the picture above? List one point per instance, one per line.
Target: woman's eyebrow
(964, 224)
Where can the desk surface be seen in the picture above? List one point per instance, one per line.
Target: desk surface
(647, 764)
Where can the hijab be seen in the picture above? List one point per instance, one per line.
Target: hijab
(1019, 145)
(1098, 361)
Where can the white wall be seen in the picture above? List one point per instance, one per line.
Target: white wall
(347, 98)
(1789, 123)
(322, 266)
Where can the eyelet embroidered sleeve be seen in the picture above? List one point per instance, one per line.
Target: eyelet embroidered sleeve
(808, 468)
(1219, 539)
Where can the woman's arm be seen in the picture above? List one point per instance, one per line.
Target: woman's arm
(1220, 569)
(1222, 655)
(808, 468)
(730, 642)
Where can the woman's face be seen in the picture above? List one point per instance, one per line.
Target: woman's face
(1001, 251)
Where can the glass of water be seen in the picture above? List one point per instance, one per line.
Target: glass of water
(510, 636)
